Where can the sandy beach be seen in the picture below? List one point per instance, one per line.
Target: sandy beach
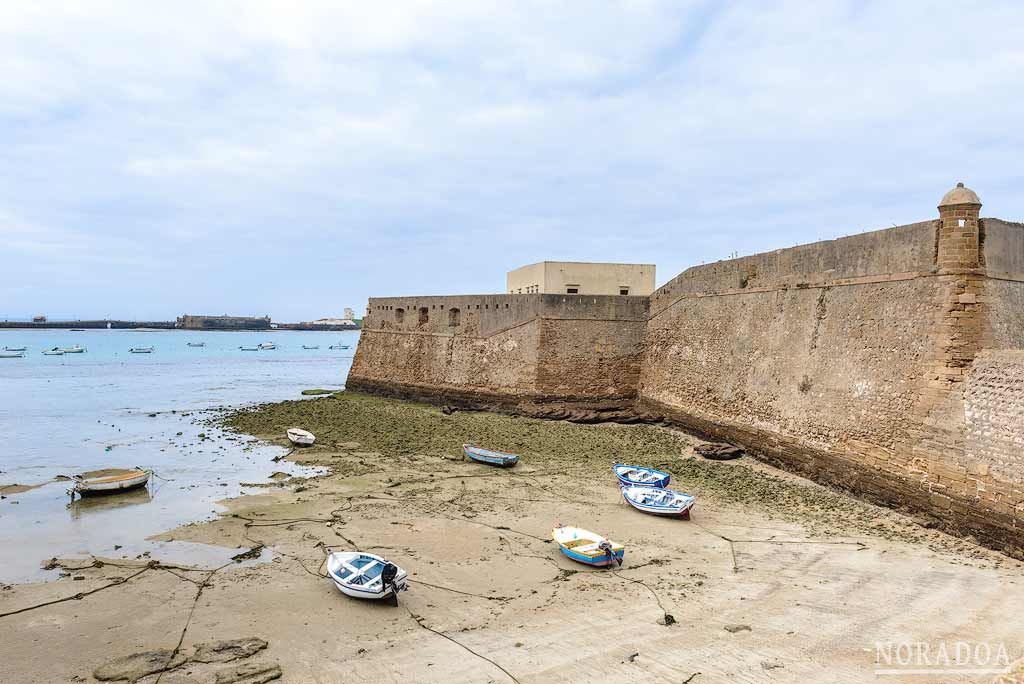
(773, 579)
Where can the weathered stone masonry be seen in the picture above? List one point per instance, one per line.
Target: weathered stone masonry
(889, 363)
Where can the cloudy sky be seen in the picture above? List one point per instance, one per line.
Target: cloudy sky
(293, 158)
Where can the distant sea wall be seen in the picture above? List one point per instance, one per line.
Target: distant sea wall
(537, 354)
(88, 325)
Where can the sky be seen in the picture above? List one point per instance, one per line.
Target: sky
(296, 158)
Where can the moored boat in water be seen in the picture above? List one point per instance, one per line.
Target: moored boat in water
(11, 354)
(315, 346)
(248, 348)
(110, 482)
(265, 346)
(15, 349)
(77, 349)
(141, 350)
(640, 476)
(53, 352)
(659, 501)
(196, 344)
(584, 546)
(495, 458)
(365, 575)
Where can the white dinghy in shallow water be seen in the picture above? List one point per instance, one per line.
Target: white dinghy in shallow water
(300, 437)
(364, 575)
(110, 482)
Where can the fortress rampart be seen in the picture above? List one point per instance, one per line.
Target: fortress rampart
(889, 363)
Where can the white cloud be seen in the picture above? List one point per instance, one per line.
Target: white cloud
(468, 133)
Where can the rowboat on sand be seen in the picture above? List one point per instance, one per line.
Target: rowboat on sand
(300, 437)
(365, 575)
(639, 476)
(495, 458)
(587, 547)
(659, 501)
(110, 482)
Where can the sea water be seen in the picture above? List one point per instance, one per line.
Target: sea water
(109, 408)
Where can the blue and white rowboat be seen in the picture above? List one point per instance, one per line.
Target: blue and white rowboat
(364, 575)
(639, 476)
(496, 458)
(659, 501)
(586, 547)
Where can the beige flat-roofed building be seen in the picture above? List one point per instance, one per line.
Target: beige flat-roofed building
(580, 277)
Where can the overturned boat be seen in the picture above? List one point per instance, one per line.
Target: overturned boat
(639, 476)
(300, 437)
(659, 501)
(110, 482)
(587, 547)
(366, 576)
(495, 458)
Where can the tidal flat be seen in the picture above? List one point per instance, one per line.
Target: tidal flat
(774, 578)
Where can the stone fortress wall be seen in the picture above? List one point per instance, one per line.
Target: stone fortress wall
(889, 363)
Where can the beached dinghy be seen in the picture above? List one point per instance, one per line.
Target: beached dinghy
(53, 352)
(141, 350)
(300, 437)
(586, 547)
(496, 458)
(15, 349)
(110, 482)
(364, 575)
(639, 476)
(11, 354)
(659, 501)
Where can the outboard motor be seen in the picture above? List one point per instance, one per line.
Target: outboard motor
(387, 578)
(606, 546)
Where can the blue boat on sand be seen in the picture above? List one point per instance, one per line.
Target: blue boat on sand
(659, 501)
(586, 547)
(495, 458)
(639, 476)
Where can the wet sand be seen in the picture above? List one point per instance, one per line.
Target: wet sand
(774, 578)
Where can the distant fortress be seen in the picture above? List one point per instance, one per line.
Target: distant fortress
(889, 363)
(189, 322)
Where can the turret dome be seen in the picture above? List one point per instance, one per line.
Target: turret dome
(959, 195)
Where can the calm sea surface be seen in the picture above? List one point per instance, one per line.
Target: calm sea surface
(108, 408)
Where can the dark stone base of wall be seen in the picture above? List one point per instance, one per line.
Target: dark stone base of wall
(575, 409)
(963, 518)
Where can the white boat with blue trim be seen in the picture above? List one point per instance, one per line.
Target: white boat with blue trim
(495, 458)
(639, 476)
(366, 576)
(587, 547)
(659, 501)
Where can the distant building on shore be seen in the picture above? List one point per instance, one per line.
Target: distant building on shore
(576, 277)
(190, 322)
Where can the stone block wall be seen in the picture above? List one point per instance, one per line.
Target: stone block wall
(502, 349)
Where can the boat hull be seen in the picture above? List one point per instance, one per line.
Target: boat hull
(586, 547)
(301, 438)
(12, 355)
(656, 478)
(106, 486)
(603, 562)
(339, 563)
(680, 509)
(488, 457)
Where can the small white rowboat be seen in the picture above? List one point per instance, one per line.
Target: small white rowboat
(364, 575)
(300, 437)
(586, 547)
(110, 484)
(659, 501)
(496, 458)
(77, 349)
